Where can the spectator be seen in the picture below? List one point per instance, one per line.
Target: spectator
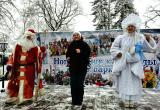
(78, 54)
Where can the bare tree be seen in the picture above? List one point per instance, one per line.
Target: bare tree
(30, 14)
(59, 14)
(7, 21)
(152, 15)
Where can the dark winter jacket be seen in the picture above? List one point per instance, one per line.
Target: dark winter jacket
(78, 61)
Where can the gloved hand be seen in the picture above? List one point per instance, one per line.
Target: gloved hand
(119, 55)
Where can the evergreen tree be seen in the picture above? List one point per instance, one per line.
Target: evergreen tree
(122, 9)
(110, 13)
(103, 12)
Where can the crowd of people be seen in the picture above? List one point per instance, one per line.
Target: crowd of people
(63, 78)
(58, 47)
(99, 50)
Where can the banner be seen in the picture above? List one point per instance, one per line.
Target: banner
(99, 42)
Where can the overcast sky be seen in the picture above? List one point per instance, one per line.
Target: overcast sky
(84, 22)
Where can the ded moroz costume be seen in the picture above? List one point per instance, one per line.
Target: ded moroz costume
(23, 64)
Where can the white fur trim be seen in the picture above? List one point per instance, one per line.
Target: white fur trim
(21, 85)
(42, 92)
(11, 100)
(21, 89)
(39, 50)
(22, 58)
(23, 49)
(38, 92)
(40, 76)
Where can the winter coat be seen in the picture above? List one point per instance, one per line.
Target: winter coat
(78, 61)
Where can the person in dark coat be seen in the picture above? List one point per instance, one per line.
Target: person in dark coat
(78, 57)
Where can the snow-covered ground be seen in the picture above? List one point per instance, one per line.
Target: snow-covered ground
(95, 98)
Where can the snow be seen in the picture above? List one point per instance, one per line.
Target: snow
(58, 97)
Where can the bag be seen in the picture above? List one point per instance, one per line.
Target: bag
(132, 58)
(119, 64)
(137, 69)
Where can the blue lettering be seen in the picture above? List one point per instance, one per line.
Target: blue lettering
(58, 61)
(149, 62)
(95, 69)
(102, 70)
(97, 61)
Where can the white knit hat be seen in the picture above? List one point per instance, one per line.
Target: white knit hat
(77, 32)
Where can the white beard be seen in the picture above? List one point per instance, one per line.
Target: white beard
(27, 44)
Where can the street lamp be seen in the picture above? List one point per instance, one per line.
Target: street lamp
(3, 47)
